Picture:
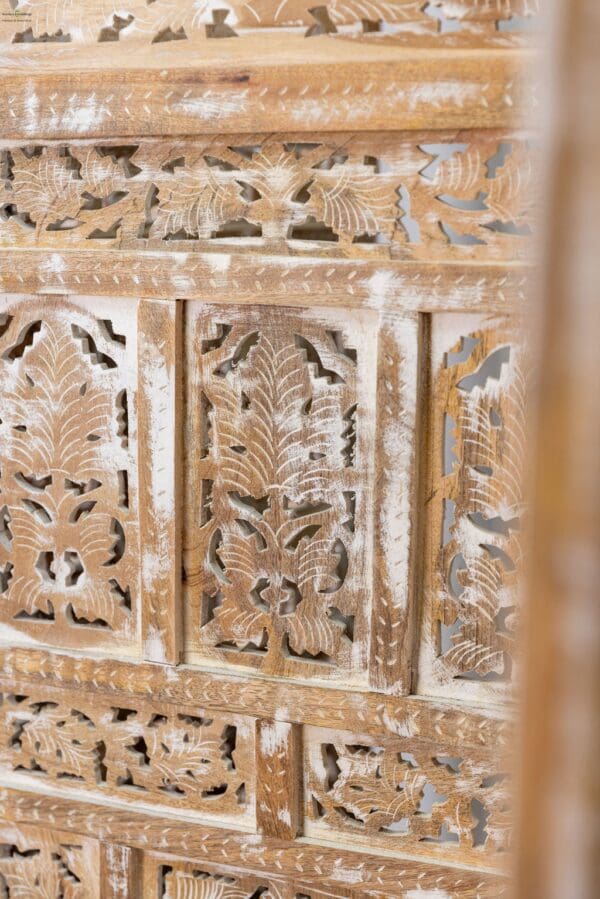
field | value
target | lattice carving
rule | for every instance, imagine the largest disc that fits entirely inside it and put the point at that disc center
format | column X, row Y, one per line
column 427, row 195
column 142, row 753
column 479, row 451
column 58, row 21
column 68, row 543
column 406, row 796
column 47, row 864
column 279, row 461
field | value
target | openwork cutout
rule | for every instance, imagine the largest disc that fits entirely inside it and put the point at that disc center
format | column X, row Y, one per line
column 277, row 538
column 423, row 196
column 476, row 517
column 68, row 531
column 59, row 21
column 406, row 795
column 45, row 863
column 138, row 752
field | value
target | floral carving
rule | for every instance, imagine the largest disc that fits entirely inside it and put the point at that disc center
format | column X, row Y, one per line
column 68, row 538
column 416, row 198
column 480, row 510
column 150, row 753
column 271, row 563
column 49, row 865
column 401, row 795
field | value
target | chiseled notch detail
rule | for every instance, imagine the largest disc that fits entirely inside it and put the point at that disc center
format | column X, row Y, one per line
column 405, row 795
column 274, row 571
column 478, row 462
column 48, row 864
column 180, row 758
column 68, row 535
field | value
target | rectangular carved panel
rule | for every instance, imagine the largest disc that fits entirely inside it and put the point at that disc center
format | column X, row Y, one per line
column 476, row 507
column 47, row 863
column 68, row 507
column 399, row 794
column 146, row 753
column 421, row 195
column 279, row 473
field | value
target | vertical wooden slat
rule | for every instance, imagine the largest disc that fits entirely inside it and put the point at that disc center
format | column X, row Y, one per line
column 560, row 839
column 160, row 399
column 393, row 619
column 278, row 779
column 120, row 872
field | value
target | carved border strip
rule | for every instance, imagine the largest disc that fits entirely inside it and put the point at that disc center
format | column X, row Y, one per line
column 345, row 84
column 418, row 287
column 369, row 713
column 300, row 860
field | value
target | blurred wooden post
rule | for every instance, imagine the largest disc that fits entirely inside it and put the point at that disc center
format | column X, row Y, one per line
column 559, row 851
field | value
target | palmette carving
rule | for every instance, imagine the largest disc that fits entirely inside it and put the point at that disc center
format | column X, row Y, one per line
column 406, row 796
column 68, row 542
column 47, row 864
column 145, row 753
column 418, row 196
column 480, row 410
column 277, row 539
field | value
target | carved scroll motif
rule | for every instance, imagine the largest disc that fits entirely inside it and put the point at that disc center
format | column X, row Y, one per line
column 68, row 524
column 48, row 864
column 478, row 462
column 144, row 753
column 106, row 21
column 277, row 537
column 429, row 195
column 405, row 795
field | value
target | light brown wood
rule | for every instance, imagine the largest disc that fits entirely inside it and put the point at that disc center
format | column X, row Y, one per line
column 160, row 449
column 278, row 779
column 243, row 239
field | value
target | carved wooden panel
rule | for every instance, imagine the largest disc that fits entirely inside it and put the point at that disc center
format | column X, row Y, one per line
column 476, row 507
column 426, row 195
column 105, row 21
column 69, row 519
column 144, row 753
column 48, row 864
column 406, row 796
column 280, row 461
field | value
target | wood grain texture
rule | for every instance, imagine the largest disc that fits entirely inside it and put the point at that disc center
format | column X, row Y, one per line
column 278, row 778
column 120, row 872
column 426, row 195
column 160, row 391
column 323, row 865
column 449, row 723
column 345, row 84
column 229, row 278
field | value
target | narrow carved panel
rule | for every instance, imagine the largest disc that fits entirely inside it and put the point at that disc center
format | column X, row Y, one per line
column 146, row 753
column 409, row 796
column 68, row 510
column 279, row 467
column 106, row 21
column 475, row 514
column 426, row 195
column 47, row 864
